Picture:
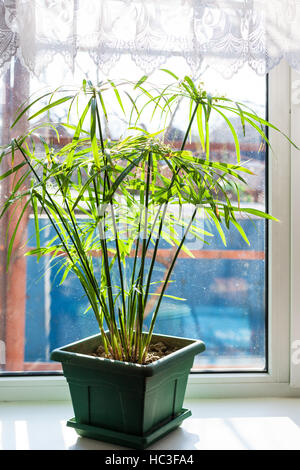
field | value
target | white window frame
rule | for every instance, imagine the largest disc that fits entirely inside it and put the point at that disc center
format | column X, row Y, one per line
column 295, row 233
column 283, row 376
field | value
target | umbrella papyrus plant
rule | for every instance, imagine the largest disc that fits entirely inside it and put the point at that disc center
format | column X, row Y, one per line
column 110, row 205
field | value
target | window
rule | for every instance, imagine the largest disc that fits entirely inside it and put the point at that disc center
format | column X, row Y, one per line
column 261, row 361
column 224, row 287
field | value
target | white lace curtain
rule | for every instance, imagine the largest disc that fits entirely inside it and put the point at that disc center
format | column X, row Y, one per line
column 224, row 34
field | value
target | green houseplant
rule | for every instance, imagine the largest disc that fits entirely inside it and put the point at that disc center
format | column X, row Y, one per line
column 109, row 206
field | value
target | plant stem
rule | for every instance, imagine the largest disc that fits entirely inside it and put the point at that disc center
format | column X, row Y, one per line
column 168, row 277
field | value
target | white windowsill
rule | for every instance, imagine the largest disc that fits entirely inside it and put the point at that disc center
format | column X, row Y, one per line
column 55, row 388
column 254, row 424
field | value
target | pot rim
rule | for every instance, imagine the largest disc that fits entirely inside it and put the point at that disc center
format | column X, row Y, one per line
column 191, row 347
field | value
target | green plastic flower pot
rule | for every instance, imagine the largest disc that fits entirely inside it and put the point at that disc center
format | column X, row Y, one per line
column 126, row 403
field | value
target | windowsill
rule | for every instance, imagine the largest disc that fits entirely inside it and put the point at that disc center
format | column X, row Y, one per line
column 237, row 385
column 215, row 424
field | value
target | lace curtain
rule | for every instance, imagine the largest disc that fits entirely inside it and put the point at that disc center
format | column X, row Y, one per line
column 224, row 34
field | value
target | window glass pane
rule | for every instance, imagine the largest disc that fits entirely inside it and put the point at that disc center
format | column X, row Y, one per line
column 224, row 287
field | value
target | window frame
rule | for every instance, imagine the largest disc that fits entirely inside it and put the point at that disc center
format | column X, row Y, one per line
column 295, row 234
column 283, row 377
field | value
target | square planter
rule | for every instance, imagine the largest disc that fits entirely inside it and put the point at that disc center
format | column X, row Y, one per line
column 125, row 403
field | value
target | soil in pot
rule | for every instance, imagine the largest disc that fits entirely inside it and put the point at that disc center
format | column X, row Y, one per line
column 156, row 351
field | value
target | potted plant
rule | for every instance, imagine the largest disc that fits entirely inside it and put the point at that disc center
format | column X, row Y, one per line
column 108, row 203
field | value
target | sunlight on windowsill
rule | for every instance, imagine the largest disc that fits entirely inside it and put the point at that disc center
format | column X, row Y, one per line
column 251, row 424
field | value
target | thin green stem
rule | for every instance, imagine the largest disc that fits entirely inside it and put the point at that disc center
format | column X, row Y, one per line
column 168, row 277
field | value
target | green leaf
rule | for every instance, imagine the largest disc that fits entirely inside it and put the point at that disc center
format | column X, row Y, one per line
column 140, row 81
column 12, row 239
column 241, row 231
column 36, row 223
column 117, row 95
column 200, row 126
column 256, row 212
column 170, row 73
column 77, row 133
column 65, row 274
column 242, row 118
column 169, row 296
column 122, row 176
column 103, row 105
column 234, row 134
column 49, row 106
column 93, row 133
column 28, row 107
column 12, row 170
column 192, row 85
column 217, row 224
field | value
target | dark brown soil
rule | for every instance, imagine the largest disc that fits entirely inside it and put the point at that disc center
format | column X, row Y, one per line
column 156, row 351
